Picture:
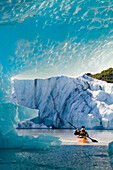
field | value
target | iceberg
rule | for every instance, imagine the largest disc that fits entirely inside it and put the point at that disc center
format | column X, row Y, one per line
column 82, row 101
column 110, row 151
column 111, row 161
column 10, row 116
column 110, row 148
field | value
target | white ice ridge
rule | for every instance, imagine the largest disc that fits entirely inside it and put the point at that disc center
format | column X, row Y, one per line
column 82, row 101
column 10, row 116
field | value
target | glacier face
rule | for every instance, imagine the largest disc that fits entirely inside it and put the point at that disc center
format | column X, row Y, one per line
column 82, row 101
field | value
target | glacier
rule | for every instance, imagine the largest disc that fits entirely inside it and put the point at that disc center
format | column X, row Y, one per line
column 82, row 101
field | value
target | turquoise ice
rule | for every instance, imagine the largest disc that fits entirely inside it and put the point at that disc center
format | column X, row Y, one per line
column 10, row 116
column 52, row 38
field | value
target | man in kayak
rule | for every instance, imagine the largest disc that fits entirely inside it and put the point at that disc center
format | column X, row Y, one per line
column 82, row 133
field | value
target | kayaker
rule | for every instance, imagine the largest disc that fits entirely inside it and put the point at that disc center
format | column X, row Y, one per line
column 82, row 133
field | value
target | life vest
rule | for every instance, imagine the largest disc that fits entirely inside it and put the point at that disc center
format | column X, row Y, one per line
column 82, row 134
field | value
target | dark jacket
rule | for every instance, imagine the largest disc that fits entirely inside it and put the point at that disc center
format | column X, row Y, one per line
column 80, row 133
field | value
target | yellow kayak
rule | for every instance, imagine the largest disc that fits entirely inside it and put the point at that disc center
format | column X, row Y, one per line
column 81, row 140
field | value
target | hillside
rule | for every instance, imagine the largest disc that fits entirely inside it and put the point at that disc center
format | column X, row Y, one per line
column 105, row 75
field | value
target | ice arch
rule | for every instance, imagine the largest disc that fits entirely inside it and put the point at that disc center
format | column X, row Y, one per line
column 52, row 38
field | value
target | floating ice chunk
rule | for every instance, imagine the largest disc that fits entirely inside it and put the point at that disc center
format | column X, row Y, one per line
column 111, row 161
column 10, row 116
column 110, row 148
column 110, row 151
column 12, row 141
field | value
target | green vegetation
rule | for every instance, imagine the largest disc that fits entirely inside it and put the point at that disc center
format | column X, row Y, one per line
column 105, row 75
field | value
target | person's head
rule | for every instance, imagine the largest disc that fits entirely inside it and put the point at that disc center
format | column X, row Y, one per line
column 83, row 128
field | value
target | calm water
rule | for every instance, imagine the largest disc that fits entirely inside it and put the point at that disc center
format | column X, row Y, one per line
column 70, row 156
column 67, row 137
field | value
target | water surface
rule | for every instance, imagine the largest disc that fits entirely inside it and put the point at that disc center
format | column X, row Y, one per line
column 70, row 156
column 68, row 138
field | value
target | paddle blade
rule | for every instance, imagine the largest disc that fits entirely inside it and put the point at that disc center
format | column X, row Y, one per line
column 93, row 140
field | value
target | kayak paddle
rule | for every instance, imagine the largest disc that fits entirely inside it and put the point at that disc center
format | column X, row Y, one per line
column 72, row 125
column 93, row 140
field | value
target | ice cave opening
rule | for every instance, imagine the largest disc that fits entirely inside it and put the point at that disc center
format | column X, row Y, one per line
column 49, row 39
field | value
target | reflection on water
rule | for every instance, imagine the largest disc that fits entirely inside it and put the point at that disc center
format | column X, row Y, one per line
column 67, row 137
